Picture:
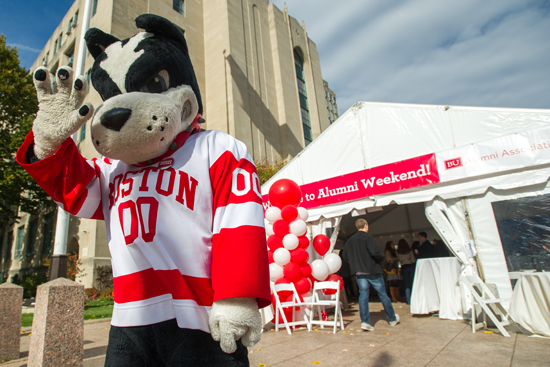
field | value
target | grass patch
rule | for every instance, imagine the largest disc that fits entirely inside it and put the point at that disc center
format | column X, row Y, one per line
column 26, row 319
column 96, row 310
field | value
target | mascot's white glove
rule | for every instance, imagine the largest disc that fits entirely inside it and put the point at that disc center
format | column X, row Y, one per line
column 58, row 118
column 232, row 319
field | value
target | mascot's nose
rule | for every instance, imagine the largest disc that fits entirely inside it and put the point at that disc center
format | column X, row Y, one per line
column 116, row 118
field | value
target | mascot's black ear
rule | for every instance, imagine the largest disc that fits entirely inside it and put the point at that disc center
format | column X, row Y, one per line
column 97, row 41
column 158, row 25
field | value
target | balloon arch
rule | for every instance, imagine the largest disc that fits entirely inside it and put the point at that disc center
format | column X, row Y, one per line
column 287, row 242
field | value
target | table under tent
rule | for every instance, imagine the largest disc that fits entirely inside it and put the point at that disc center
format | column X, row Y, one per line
column 476, row 178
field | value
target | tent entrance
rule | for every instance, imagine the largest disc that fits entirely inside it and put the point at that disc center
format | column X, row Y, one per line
column 389, row 223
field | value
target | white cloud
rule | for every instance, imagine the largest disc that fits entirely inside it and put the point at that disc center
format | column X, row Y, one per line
column 24, row 48
column 488, row 53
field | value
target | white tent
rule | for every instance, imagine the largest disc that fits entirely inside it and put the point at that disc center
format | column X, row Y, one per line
column 458, row 161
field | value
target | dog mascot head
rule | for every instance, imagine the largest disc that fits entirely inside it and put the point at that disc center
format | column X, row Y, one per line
column 149, row 91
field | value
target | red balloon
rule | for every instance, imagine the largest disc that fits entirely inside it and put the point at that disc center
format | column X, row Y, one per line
column 321, row 244
column 303, row 285
column 334, row 278
column 289, row 213
column 299, row 256
column 304, row 242
column 285, row 192
column 270, row 256
column 306, row 270
column 281, row 228
column 274, row 242
column 292, row 272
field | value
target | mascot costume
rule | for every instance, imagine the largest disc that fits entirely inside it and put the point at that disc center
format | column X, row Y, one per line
column 182, row 206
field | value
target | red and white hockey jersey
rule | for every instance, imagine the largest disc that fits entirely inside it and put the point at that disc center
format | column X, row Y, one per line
column 183, row 232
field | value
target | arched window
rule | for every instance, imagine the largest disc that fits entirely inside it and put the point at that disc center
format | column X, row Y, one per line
column 94, row 7
column 301, row 80
column 179, row 6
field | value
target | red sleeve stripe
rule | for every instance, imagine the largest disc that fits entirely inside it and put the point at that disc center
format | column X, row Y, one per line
column 151, row 283
column 64, row 175
column 236, row 215
column 234, row 181
column 240, row 267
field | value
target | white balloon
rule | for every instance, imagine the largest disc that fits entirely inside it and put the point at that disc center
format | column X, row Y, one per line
column 319, row 270
column 290, row 241
column 269, row 229
column 273, row 214
column 333, row 262
column 281, row 256
column 298, row 227
column 275, row 272
column 302, row 213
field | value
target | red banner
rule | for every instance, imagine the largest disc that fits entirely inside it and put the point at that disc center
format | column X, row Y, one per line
column 414, row 172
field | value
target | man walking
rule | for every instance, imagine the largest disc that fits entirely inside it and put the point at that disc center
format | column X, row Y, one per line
column 364, row 259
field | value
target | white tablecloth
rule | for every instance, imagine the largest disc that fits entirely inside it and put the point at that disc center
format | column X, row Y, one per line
column 436, row 288
column 530, row 304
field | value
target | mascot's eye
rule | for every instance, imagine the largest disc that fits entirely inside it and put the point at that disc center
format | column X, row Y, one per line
column 157, row 84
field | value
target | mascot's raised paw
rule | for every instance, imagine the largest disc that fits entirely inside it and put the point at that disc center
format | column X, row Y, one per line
column 59, row 115
column 233, row 319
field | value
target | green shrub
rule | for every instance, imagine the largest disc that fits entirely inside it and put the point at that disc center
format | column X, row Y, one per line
column 104, row 276
column 30, row 283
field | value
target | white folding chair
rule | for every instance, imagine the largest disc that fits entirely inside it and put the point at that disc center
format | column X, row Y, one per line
column 485, row 299
column 280, row 306
column 317, row 302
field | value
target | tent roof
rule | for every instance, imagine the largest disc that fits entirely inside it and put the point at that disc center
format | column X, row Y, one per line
column 374, row 134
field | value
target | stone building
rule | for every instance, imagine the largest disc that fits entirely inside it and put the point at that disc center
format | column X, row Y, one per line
column 260, row 81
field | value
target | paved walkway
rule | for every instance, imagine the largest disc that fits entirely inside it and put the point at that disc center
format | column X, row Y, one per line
column 416, row 341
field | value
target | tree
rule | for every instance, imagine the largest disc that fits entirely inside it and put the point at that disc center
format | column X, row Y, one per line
column 18, row 106
column 266, row 169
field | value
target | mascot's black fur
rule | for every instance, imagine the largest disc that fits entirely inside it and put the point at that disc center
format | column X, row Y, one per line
column 165, row 50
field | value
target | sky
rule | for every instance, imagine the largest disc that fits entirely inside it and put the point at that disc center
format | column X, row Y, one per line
column 490, row 53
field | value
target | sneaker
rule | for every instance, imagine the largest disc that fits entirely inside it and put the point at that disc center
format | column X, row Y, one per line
column 393, row 323
column 367, row 327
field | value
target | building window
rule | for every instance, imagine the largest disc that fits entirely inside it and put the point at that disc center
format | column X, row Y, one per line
column 82, row 134
column 9, row 244
column 47, row 232
column 302, row 93
column 70, row 27
column 179, row 6
column 19, row 245
column 70, row 54
column 31, row 238
column 94, row 7
column 55, row 47
column 75, row 22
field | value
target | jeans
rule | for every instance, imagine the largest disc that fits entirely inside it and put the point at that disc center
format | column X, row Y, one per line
column 408, row 277
column 364, row 281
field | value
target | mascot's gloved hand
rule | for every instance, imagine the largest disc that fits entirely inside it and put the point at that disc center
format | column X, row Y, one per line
column 232, row 319
column 58, row 117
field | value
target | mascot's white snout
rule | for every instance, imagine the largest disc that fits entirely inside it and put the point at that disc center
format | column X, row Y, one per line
column 135, row 127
